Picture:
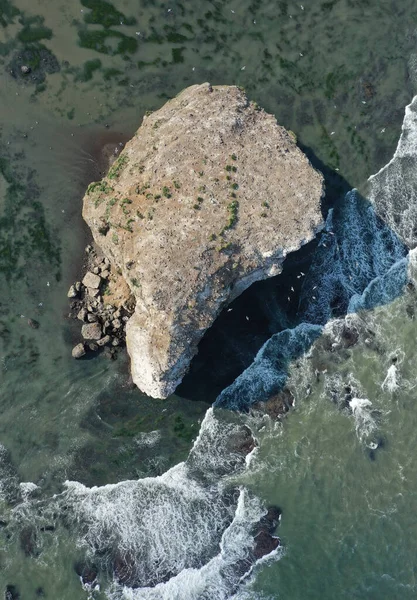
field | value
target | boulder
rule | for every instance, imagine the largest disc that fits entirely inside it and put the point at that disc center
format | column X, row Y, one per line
column 72, row 292
column 210, row 196
column 91, row 280
column 82, row 315
column 78, row 351
column 91, row 331
column 104, row 340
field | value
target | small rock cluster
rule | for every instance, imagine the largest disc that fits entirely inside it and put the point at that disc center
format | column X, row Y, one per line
column 103, row 324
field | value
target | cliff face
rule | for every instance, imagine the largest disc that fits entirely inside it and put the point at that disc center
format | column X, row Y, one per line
column 209, row 196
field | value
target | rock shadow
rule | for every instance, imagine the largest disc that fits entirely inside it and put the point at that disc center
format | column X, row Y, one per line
column 356, row 262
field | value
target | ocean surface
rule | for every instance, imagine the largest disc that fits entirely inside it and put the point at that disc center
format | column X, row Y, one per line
column 151, row 499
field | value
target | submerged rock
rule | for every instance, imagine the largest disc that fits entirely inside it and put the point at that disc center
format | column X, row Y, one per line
column 209, row 197
column 11, row 593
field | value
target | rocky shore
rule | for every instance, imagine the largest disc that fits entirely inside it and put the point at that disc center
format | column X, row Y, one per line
column 103, row 304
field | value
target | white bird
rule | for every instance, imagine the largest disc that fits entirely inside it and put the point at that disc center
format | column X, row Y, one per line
column 363, row 102
column 301, row 273
column 47, row 283
column 289, row 299
column 229, row 309
column 292, row 289
column 243, row 68
column 315, row 287
column 314, row 297
column 301, row 54
column 383, row 130
column 332, row 133
column 232, row 11
column 302, row 7
column 247, row 318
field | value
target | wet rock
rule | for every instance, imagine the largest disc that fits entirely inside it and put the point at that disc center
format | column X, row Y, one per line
column 28, row 541
column 115, row 342
column 25, row 69
column 91, row 280
column 271, row 519
column 92, row 318
column 124, row 569
column 109, row 353
column 245, row 442
column 104, row 340
column 93, row 347
column 82, row 315
column 78, row 351
column 11, row 593
column 72, row 292
column 349, row 336
column 87, row 573
column 277, row 405
column 91, row 331
column 77, row 286
column 33, row 323
column 265, row 543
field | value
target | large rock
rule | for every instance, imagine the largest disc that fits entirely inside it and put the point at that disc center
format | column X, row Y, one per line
column 209, row 196
column 91, row 331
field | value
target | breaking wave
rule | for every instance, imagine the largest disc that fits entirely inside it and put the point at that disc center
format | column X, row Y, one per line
column 187, row 534
column 361, row 262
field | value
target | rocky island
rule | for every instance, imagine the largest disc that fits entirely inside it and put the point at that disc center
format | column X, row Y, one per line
column 208, row 197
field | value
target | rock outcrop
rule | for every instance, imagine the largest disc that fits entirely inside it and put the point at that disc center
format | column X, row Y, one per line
column 208, row 197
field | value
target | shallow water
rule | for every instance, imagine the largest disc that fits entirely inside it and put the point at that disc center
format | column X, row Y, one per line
column 339, row 74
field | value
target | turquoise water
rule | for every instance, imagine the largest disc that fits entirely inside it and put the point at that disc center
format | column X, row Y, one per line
column 339, row 75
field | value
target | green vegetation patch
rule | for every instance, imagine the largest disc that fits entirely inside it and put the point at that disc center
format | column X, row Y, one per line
column 101, row 41
column 24, row 233
column 7, row 12
column 105, row 14
column 120, row 163
column 177, row 55
column 87, row 72
column 34, row 30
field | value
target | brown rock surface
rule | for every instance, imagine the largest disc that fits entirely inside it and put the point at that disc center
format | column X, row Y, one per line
column 209, row 196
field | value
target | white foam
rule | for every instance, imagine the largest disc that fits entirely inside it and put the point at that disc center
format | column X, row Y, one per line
column 148, row 439
column 364, row 421
column 185, row 526
column 390, row 382
column 393, row 189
